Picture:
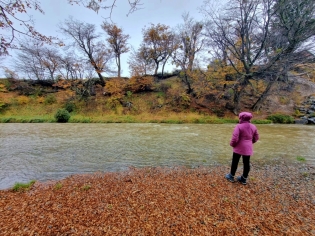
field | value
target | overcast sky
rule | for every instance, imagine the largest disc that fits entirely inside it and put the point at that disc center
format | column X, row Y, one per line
column 168, row 12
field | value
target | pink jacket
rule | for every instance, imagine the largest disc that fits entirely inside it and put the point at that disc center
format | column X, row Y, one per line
column 244, row 135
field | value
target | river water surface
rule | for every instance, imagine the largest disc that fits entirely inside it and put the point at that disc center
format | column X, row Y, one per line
column 54, row 151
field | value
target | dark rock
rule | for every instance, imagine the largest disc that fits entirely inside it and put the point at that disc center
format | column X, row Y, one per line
column 311, row 121
column 301, row 121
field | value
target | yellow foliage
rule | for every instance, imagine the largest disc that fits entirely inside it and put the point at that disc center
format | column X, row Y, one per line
column 23, row 100
column 116, row 86
column 113, row 102
column 40, row 99
column 3, row 88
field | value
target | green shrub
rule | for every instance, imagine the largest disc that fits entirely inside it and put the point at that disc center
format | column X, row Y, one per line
column 62, row 115
column 70, row 107
column 301, row 159
column 129, row 94
column 19, row 187
column 261, row 121
column 50, row 99
column 86, row 187
column 58, row 186
column 282, row 119
column 2, row 106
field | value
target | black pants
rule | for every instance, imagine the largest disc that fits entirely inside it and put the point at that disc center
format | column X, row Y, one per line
column 236, row 159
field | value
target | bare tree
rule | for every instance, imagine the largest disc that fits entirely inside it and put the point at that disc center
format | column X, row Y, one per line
column 260, row 38
column 117, row 42
column 187, row 43
column 66, row 68
column 51, row 60
column 13, row 22
column 86, row 40
column 36, row 60
column 96, row 5
column 292, row 28
column 12, row 25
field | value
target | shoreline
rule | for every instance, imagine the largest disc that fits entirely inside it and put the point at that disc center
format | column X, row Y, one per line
column 278, row 199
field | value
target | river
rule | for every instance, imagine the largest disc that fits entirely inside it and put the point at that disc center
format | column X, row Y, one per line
column 54, row 151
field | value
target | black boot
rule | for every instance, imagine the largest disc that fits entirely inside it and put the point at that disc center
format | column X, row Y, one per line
column 241, row 179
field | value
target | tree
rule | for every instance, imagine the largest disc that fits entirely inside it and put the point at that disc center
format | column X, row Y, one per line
column 291, row 29
column 12, row 22
column 117, row 41
column 140, row 62
column 28, row 63
column 188, row 42
column 12, row 26
column 67, row 68
column 36, row 60
column 157, row 41
column 86, row 40
column 260, row 39
column 96, row 5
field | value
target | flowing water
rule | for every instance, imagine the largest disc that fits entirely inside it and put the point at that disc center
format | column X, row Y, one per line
column 54, row 151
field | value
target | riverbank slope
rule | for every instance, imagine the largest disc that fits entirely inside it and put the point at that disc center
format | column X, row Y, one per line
column 165, row 102
column 278, row 200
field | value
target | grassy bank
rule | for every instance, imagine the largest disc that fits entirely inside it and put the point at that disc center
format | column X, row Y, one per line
column 146, row 107
column 176, row 119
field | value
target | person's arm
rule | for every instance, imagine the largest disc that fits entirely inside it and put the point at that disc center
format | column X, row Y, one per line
column 255, row 136
column 235, row 137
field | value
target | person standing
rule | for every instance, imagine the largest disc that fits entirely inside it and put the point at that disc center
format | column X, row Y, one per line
column 244, row 135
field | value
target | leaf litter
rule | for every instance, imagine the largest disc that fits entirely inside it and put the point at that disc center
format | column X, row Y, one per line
column 279, row 199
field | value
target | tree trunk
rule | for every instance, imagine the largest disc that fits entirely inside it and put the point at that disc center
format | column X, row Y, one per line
column 156, row 68
column 163, row 69
column 238, row 95
column 186, row 80
column 262, row 97
column 98, row 71
column 118, row 65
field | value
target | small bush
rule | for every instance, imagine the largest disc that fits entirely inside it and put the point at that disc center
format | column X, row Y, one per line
column 301, row 159
column 116, row 86
column 19, row 187
column 282, row 119
column 139, row 84
column 128, row 94
column 86, row 187
column 58, row 186
column 3, row 106
column 70, row 107
column 62, row 116
column 50, row 99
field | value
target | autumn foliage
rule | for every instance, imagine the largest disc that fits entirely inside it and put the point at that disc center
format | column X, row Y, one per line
column 140, row 83
column 165, row 201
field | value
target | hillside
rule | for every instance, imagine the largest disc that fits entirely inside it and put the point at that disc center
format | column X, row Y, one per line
column 146, row 100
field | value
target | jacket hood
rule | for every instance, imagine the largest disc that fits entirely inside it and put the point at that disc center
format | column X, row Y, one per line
column 245, row 116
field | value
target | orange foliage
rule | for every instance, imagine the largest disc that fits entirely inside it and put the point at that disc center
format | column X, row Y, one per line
column 62, row 83
column 140, row 83
column 116, row 86
column 164, row 201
